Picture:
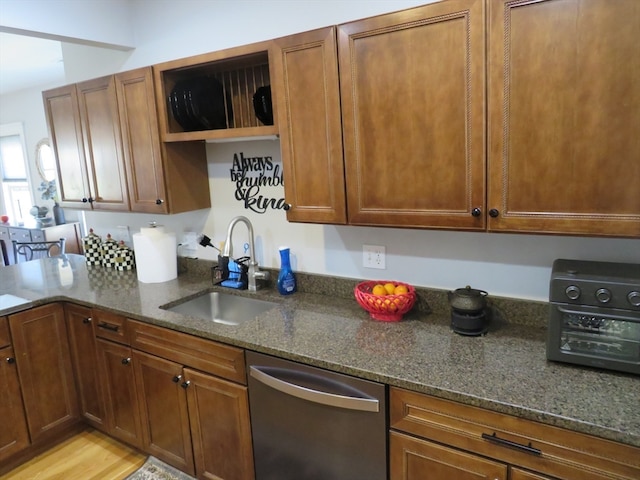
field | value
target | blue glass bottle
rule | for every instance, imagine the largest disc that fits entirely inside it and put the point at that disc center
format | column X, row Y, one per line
column 286, row 278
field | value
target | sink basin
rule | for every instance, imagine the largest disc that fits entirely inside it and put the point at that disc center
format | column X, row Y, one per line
column 223, row 308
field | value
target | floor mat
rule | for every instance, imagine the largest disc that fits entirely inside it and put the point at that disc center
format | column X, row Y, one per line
column 154, row 469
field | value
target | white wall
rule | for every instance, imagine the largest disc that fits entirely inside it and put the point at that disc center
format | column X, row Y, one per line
column 503, row 264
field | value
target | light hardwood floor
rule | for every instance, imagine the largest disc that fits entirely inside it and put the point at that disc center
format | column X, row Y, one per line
column 90, row 455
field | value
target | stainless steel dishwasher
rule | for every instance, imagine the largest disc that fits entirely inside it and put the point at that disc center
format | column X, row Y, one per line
column 312, row 424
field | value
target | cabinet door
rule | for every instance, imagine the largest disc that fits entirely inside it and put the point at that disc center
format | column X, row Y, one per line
column 564, row 117
column 306, row 90
column 103, row 144
column 123, row 417
column 141, row 141
column 85, row 362
column 14, row 435
column 414, row 459
column 44, row 366
column 163, row 398
column 412, row 86
column 63, row 119
column 220, row 427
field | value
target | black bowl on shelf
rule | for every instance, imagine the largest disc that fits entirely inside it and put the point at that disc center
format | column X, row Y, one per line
column 262, row 105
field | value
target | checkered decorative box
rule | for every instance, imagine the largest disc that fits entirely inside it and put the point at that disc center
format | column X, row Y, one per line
column 91, row 244
column 125, row 259
column 109, row 252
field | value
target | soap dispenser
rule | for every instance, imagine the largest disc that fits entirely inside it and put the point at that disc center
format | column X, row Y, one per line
column 286, row 278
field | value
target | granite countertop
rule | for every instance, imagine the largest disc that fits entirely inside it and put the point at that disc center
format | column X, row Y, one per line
column 506, row 370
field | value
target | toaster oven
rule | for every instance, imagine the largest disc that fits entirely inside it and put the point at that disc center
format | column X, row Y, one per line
column 594, row 317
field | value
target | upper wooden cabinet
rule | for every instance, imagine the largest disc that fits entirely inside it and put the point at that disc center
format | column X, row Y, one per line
column 562, row 111
column 85, row 136
column 239, row 72
column 105, row 136
column 161, row 178
column 102, row 144
column 564, row 117
column 306, row 87
column 412, row 86
column 409, row 104
column 63, row 120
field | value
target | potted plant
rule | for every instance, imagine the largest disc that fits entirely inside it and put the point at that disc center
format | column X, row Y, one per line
column 50, row 192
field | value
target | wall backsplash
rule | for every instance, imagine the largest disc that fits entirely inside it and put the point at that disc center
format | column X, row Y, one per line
column 505, row 265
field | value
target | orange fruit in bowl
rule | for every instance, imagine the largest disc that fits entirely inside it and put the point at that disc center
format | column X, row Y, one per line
column 379, row 290
column 389, row 287
column 400, row 290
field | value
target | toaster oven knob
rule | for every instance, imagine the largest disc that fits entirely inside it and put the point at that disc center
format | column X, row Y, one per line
column 572, row 292
column 603, row 295
column 634, row 298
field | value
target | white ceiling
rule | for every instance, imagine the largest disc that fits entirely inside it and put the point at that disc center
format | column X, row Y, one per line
column 27, row 62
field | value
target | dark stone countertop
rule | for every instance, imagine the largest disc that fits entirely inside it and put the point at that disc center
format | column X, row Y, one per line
column 504, row 371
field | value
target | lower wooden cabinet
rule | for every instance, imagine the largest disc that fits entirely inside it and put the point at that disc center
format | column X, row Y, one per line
column 82, row 342
column 14, row 435
column 432, row 438
column 123, row 419
column 180, row 398
column 44, row 366
column 220, row 427
column 416, row 459
column 163, row 405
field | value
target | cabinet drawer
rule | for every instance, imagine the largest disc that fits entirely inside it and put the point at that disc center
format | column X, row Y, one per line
column 206, row 355
column 19, row 234
column 524, row 443
column 37, row 236
column 111, row 326
column 4, row 332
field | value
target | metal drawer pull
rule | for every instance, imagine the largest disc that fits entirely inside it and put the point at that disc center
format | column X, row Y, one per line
column 508, row 443
column 324, row 398
column 107, row 326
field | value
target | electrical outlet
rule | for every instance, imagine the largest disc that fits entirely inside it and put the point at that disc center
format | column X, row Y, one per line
column 373, row 256
column 190, row 241
column 122, row 233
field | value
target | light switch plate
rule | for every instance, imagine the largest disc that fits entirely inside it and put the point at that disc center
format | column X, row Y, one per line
column 374, row 256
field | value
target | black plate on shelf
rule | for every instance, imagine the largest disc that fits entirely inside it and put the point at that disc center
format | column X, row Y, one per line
column 199, row 104
column 262, row 105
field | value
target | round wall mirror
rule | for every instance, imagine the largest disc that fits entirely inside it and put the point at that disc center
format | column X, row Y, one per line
column 45, row 160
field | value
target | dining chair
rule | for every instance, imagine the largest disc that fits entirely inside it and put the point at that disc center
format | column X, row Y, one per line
column 25, row 251
column 5, row 255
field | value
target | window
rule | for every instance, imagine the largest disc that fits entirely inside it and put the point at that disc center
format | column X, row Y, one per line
column 14, row 179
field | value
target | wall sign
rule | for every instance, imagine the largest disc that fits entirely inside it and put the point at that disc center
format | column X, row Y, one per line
column 251, row 176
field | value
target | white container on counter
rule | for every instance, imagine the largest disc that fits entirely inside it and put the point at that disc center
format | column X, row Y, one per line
column 156, row 256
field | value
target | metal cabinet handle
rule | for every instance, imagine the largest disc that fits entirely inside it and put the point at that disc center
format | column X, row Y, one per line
column 186, row 384
column 11, row 360
column 159, row 201
column 508, row 443
column 108, row 326
column 126, row 361
column 494, row 212
column 177, row 378
column 362, row 403
column 87, row 320
column 476, row 212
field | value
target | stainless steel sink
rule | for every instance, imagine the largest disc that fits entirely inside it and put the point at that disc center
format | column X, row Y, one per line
column 223, row 308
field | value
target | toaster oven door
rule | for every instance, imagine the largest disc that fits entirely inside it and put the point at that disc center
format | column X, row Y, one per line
column 597, row 337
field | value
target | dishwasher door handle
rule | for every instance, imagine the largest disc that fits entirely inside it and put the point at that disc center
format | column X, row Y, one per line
column 324, row 398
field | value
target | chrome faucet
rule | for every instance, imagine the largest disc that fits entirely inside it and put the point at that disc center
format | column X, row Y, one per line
column 254, row 270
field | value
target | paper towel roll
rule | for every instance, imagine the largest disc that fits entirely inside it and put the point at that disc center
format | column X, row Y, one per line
column 156, row 257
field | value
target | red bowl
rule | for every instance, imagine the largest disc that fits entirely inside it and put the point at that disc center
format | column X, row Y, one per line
column 387, row 308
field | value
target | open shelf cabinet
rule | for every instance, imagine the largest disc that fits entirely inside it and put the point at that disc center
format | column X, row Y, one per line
column 240, row 70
